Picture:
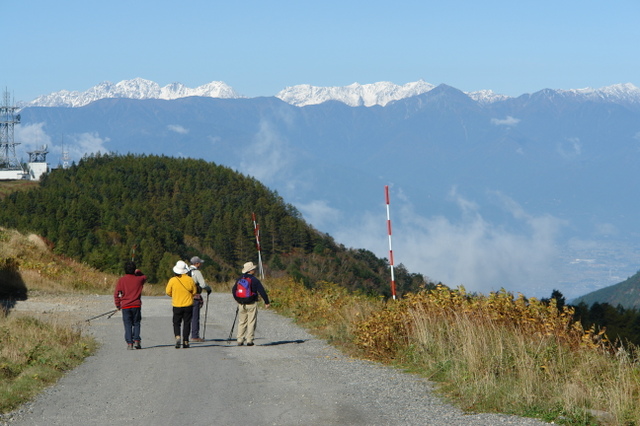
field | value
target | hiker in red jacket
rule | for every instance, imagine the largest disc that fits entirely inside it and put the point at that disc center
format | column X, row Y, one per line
column 127, row 297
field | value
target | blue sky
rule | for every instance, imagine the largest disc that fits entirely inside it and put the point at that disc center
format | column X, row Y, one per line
column 260, row 47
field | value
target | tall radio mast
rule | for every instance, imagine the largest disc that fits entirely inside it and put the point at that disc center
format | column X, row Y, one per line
column 65, row 156
column 10, row 167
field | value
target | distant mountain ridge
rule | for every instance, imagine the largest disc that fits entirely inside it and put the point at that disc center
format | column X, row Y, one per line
column 625, row 294
column 486, row 193
column 380, row 93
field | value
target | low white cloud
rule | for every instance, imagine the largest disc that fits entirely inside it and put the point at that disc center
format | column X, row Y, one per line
column 32, row 136
column 84, row 144
column 319, row 213
column 468, row 251
column 509, row 121
column 267, row 156
column 178, row 129
column 606, row 229
column 571, row 148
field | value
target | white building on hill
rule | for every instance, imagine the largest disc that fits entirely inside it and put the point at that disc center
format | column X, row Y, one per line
column 37, row 165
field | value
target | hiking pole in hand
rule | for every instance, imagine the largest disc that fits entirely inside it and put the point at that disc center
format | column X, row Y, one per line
column 206, row 310
column 110, row 313
column 234, row 324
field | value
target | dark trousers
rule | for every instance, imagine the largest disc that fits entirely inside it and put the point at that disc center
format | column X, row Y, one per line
column 195, row 319
column 182, row 317
column 131, row 317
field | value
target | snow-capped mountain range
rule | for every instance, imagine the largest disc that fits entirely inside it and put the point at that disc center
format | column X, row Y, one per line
column 138, row 88
column 355, row 94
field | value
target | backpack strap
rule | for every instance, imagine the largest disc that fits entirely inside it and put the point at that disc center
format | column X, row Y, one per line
column 183, row 286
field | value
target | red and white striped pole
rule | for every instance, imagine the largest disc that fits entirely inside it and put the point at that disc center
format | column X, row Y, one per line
column 393, row 279
column 256, row 232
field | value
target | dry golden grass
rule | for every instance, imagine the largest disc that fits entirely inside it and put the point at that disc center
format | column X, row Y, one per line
column 43, row 271
column 492, row 353
column 35, row 353
column 330, row 311
column 7, row 187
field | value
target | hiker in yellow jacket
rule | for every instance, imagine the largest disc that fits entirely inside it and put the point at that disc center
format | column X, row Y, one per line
column 181, row 288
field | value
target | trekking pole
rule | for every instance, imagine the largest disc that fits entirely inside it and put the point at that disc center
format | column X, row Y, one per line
column 206, row 310
column 234, row 324
column 110, row 313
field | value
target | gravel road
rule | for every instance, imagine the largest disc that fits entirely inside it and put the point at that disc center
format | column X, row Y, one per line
column 287, row 378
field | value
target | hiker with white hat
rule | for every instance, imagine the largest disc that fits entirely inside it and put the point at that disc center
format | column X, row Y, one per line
column 181, row 288
column 245, row 291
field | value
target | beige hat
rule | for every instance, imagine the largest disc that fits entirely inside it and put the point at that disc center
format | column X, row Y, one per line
column 181, row 267
column 248, row 267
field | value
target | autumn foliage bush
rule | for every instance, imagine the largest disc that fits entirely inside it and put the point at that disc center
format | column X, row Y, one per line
column 398, row 323
column 490, row 353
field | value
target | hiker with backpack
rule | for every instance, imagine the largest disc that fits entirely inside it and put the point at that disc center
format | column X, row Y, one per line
column 198, row 279
column 181, row 288
column 245, row 291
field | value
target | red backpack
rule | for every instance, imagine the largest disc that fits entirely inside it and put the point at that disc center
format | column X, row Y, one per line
column 243, row 288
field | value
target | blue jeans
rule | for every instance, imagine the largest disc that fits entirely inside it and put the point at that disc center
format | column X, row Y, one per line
column 131, row 317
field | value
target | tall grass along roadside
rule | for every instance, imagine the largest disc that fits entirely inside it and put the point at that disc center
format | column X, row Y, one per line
column 34, row 354
column 494, row 353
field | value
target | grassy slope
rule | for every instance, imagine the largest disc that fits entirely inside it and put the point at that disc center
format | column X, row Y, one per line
column 36, row 352
column 9, row 186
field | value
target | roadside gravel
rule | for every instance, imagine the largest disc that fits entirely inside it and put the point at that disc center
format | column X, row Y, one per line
column 288, row 378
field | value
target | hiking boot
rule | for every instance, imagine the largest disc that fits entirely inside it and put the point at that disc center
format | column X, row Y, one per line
column 185, row 344
column 129, row 346
column 177, row 342
column 137, row 344
column 249, row 343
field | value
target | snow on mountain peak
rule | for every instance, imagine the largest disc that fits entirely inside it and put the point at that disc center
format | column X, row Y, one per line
column 625, row 92
column 355, row 94
column 486, row 96
column 137, row 88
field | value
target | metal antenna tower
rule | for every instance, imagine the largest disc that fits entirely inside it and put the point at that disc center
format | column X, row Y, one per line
column 65, row 156
column 8, row 119
column 38, row 155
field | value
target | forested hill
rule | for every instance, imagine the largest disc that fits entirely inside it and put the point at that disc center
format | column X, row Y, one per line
column 625, row 294
column 157, row 209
